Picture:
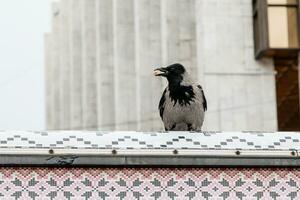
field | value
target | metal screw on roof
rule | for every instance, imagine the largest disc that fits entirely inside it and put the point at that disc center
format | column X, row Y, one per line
column 114, row 152
column 175, row 152
column 51, row 151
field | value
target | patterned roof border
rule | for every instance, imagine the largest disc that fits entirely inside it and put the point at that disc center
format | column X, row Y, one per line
column 131, row 148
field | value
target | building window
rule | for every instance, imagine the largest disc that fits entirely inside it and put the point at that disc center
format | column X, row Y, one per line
column 276, row 27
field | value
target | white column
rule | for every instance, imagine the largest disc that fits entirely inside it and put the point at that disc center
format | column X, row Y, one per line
column 65, row 57
column 148, row 57
column 89, row 65
column 180, row 36
column 105, row 65
column 124, row 63
column 48, row 81
column 76, row 64
column 56, row 63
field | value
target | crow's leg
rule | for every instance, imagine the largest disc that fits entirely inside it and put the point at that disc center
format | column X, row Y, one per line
column 173, row 127
column 190, row 127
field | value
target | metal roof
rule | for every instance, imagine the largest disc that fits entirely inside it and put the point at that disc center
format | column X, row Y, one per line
column 149, row 148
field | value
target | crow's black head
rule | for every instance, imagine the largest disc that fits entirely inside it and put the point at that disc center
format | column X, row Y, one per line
column 179, row 83
column 174, row 72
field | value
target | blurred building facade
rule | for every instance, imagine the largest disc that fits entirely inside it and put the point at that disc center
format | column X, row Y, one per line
column 100, row 56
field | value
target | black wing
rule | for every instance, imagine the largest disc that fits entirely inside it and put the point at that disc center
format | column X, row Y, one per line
column 204, row 99
column 161, row 105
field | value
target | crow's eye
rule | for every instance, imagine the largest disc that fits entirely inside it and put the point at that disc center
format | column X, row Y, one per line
column 170, row 70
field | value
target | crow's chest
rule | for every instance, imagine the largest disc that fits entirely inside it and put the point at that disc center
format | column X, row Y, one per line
column 179, row 109
column 181, row 96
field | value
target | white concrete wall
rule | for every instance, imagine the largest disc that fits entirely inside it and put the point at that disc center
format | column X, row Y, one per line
column 179, row 29
column 65, row 66
column 240, row 91
column 76, row 64
column 89, row 65
column 55, row 63
column 48, row 81
column 148, row 57
column 116, row 44
column 124, row 65
column 105, row 65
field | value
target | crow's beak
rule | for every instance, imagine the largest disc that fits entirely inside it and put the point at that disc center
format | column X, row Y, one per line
column 160, row 72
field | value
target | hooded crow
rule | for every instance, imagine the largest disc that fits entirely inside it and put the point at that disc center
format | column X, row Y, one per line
column 183, row 103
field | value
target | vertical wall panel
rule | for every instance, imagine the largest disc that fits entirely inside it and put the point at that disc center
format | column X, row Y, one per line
column 89, row 65
column 105, row 65
column 65, row 68
column 148, row 57
column 124, row 63
column 76, row 64
column 48, row 81
column 187, row 36
column 56, row 64
column 181, row 34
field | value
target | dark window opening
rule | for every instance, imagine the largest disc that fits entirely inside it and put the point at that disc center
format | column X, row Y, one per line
column 287, row 91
